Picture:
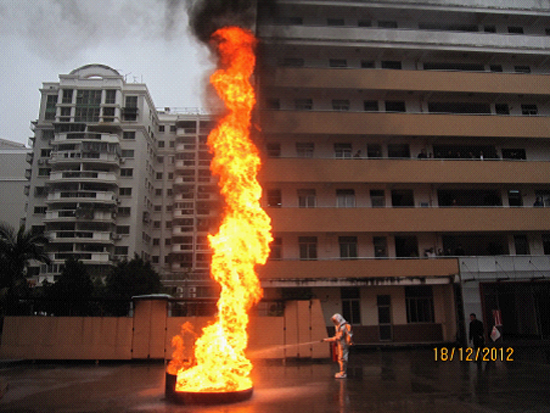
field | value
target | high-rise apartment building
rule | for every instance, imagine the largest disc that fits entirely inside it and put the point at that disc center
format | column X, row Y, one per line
column 407, row 163
column 107, row 183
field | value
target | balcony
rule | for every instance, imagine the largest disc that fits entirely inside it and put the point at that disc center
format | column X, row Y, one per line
column 76, row 137
column 368, row 270
column 89, row 258
column 350, row 170
column 77, row 196
column 83, row 156
column 415, row 220
column 83, row 176
column 406, row 38
column 403, row 124
column 80, row 236
column 409, row 80
column 72, row 214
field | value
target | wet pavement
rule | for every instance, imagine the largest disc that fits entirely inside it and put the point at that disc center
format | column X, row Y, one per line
column 378, row 381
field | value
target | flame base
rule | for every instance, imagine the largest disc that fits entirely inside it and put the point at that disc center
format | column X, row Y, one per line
column 191, row 398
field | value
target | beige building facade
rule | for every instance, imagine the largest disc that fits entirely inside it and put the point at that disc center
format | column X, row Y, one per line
column 406, row 144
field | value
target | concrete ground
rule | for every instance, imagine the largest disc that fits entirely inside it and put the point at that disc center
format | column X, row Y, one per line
column 378, row 381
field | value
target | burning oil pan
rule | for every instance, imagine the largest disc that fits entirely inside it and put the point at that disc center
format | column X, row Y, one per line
column 180, row 397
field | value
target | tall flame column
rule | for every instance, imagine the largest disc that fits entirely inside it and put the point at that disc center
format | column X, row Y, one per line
column 242, row 241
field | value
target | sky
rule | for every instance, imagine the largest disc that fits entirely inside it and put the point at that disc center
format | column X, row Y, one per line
column 144, row 40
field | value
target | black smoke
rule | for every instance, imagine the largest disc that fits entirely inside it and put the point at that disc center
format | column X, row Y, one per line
column 207, row 16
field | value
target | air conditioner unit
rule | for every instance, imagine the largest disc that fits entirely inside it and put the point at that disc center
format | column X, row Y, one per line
column 117, row 236
column 41, row 162
column 122, row 160
column 192, row 292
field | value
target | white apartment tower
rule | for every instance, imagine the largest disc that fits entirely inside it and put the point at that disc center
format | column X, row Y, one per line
column 106, row 181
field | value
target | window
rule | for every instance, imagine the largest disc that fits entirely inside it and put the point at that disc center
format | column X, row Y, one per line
column 370, row 105
column 304, row 149
column 306, row 198
column 351, row 308
column 130, row 109
column 490, row 29
column 274, row 198
column 125, row 191
column 156, row 224
column 168, row 241
column 127, row 135
column 374, row 151
column 391, row 64
column 348, row 247
column 40, row 209
column 406, row 247
column 160, row 159
column 67, row 96
column 273, row 150
column 529, row 110
column 156, row 242
column 65, row 115
column 303, row 104
column 158, row 192
column 395, row 106
column 127, row 153
column 87, row 105
column 158, row 175
column 124, row 211
column 160, row 144
column 340, row 104
column 108, row 114
column 168, row 224
column 51, row 102
column 126, row 172
column 496, row 68
column 514, row 198
column 44, row 171
column 522, row 69
column 364, row 23
column 345, row 198
column 402, row 198
column 45, row 153
column 342, row 150
column 172, row 128
column 515, row 29
column 377, row 198
column 338, row 63
column 419, row 301
column 522, row 245
column 399, row 151
column 161, row 128
column 110, row 96
column 123, row 229
column 308, row 248
column 276, row 252
column 380, row 247
column 502, row 109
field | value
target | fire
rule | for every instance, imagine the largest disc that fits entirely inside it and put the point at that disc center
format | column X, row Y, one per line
column 244, row 235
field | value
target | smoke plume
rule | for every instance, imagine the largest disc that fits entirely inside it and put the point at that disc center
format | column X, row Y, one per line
column 206, row 16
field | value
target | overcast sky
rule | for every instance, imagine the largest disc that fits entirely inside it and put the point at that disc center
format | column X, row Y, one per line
column 145, row 40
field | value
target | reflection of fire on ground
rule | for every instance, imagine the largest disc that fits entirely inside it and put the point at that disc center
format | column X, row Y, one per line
column 242, row 242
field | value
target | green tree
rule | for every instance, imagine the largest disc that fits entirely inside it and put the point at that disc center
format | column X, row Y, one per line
column 72, row 293
column 16, row 250
column 128, row 279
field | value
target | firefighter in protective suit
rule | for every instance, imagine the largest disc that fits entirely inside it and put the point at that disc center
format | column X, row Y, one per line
column 343, row 338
